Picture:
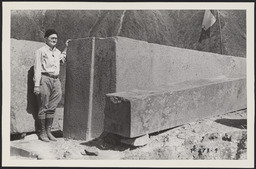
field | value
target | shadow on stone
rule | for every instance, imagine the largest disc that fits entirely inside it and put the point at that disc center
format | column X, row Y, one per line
column 162, row 131
column 57, row 133
column 108, row 141
column 19, row 136
column 237, row 123
column 32, row 107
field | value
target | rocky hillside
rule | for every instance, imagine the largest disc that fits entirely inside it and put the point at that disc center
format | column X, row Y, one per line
column 179, row 28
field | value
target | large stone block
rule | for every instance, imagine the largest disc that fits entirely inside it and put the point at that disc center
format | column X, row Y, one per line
column 23, row 101
column 100, row 66
column 135, row 113
column 142, row 65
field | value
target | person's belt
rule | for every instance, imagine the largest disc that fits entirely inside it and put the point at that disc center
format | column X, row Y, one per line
column 51, row 76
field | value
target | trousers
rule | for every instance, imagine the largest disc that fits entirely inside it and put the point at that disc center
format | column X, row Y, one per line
column 49, row 97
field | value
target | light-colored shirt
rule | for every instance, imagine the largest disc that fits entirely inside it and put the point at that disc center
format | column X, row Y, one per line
column 47, row 60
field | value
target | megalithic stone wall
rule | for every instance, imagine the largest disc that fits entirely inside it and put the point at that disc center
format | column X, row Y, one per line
column 23, row 101
column 96, row 67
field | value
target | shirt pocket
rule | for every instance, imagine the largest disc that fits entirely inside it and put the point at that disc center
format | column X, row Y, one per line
column 48, row 60
column 44, row 55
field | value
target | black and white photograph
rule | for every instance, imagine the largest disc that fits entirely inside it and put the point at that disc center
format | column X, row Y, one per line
column 128, row 84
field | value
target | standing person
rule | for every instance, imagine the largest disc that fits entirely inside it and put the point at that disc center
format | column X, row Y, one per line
column 47, row 84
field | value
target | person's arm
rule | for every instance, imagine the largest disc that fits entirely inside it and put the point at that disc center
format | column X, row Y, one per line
column 37, row 71
column 64, row 52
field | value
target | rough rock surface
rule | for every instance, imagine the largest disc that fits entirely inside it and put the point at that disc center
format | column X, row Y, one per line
column 179, row 28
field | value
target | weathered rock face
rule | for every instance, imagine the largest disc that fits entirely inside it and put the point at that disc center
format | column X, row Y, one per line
column 69, row 24
column 179, row 28
column 25, row 25
column 23, row 101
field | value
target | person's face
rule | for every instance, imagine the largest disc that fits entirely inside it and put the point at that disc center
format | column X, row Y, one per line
column 52, row 40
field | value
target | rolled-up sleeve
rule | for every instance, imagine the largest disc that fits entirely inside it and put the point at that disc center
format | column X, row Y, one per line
column 37, row 68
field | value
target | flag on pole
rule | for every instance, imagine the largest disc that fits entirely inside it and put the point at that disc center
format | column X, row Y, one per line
column 208, row 21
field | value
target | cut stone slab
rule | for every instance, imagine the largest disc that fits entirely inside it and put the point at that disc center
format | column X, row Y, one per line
column 117, row 64
column 135, row 113
column 138, row 141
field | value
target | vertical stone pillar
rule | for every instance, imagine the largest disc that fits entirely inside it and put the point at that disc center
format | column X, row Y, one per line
column 104, row 81
column 85, row 95
column 77, row 89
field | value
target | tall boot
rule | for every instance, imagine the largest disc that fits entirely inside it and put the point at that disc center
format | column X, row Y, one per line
column 42, row 134
column 49, row 122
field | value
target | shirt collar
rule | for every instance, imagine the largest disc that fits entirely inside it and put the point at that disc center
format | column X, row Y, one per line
column 49, row 48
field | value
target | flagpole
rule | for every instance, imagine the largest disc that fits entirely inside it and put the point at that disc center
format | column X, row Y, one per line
column 220, row 33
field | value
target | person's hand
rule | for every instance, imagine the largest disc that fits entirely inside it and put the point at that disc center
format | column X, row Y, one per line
column 37, row 90
column 63, row 59
column 67, row 42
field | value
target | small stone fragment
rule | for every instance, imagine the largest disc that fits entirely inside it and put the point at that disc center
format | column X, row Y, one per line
column 226, row 137
column 66, row 154
column 90, row 153
column 181, row 136
column 213, row 136
column 202, row 139
column 31, row 137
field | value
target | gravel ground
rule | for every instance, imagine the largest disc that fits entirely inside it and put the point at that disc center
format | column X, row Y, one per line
column 223, row 137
